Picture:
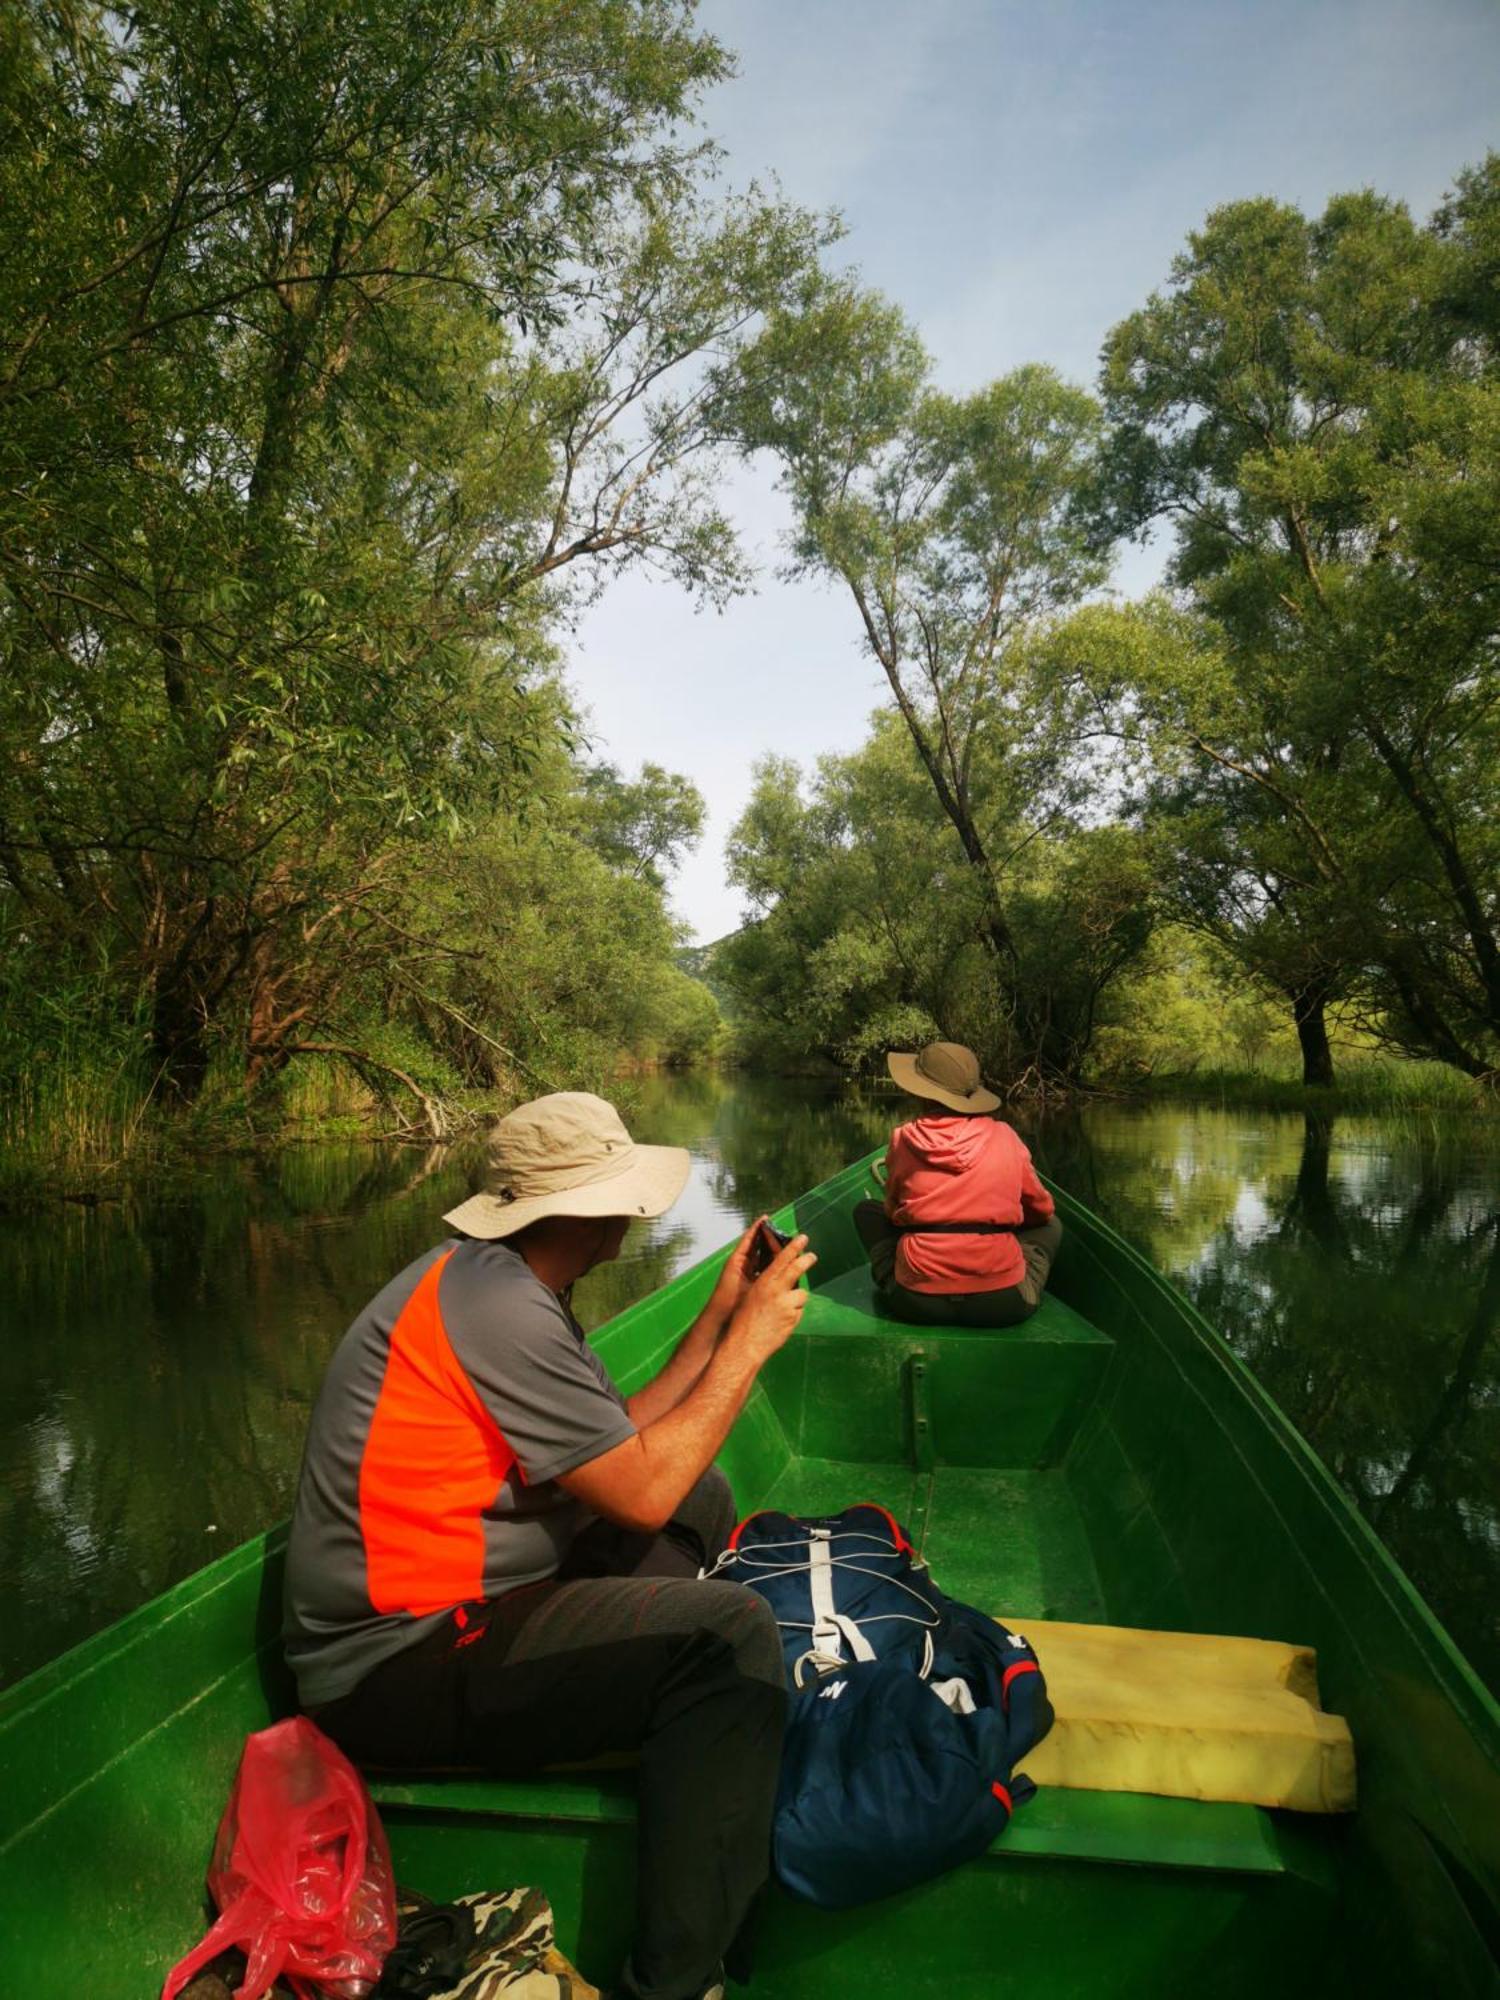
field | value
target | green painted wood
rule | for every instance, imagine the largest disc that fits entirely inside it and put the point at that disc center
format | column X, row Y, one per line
column 1014, row 1397
column 918, row 1373
column 1008, row 1922
column 1131, row 1829
column 1112, row 1462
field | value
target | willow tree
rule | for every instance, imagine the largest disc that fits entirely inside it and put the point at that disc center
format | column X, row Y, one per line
column 869, row 924
column 330, row 347
column 1260, row 840
column 952, row 522
column 1315, row 406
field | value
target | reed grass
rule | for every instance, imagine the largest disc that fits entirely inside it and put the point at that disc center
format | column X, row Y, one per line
column 322, row 1094
column 74, row 1127
column 84, row 1119
column 1364, row 1083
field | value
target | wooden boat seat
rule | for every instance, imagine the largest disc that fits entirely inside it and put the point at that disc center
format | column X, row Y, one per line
column 850, row 1301
column 1130, row 1829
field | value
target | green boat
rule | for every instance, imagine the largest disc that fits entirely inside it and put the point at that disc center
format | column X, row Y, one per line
column 1107, row 1462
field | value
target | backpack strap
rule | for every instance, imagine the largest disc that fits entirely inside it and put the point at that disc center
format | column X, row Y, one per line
column 831, row 1630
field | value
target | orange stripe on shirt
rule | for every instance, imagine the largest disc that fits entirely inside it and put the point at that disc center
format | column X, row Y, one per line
column 433, row 1464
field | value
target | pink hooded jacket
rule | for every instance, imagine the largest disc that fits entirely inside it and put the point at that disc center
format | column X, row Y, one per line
column 956, row 1169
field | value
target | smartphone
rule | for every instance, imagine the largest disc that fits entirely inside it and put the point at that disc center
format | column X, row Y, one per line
column 766, row 1245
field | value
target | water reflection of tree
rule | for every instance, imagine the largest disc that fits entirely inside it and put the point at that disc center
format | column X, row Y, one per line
column 676, row 1107
column 163, row 1354
column 764, row 1139
column 758, row 1140
column 1170, row 1179
column 776, row 1138
column 1367, row 1299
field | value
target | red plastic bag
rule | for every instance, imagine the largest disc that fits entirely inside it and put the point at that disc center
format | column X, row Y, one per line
column 301, row 1872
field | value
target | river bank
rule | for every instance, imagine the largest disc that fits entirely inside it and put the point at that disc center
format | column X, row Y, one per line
column 89, row 1136
column 1384, row 1085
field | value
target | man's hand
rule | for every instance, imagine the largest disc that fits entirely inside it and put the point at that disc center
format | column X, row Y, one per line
column 769, row 1309
column 732, row 1282
column 640, row 1482
column 732, row 1288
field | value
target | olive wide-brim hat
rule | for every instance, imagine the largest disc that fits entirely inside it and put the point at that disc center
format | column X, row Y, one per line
column 569, row 1154
column 946, row 1072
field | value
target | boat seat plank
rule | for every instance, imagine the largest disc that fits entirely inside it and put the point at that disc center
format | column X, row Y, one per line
column 1128, row 1829
column 849, row 1302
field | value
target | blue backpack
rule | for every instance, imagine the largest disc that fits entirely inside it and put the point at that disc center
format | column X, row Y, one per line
column 908, row 1711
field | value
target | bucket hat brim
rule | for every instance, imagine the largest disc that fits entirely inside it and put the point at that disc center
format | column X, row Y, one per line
column 904, row 1070
column 651, row 1183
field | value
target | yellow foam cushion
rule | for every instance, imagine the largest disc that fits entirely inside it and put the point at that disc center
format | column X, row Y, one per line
column 1187, row 1714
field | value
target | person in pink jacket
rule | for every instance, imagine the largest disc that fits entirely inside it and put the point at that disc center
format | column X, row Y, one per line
column 966, row 1234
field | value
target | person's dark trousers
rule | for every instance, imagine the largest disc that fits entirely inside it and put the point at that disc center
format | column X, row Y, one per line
column 1008, row 1305
column 687, row 1672
column 691, row 1541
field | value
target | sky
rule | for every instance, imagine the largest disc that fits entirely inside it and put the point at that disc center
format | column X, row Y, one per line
column 1018, row 177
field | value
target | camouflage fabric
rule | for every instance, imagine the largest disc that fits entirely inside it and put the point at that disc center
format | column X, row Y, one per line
column 505, row 1942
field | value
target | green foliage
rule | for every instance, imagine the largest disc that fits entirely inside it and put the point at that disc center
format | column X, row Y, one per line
column 341, row 358
column 644, row 826
column 1184, row 1007
column 75, row 1072
column 533, row 963
column 1316, row 407
column 871, row 932
column 955, row 525
column 684, row 1024
column 333, row 352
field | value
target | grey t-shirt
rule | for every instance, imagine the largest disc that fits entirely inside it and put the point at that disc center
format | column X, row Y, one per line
column 429, row 1476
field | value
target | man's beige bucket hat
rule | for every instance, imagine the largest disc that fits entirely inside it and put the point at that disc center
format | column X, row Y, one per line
column 569, row 1154
column 948, row 1073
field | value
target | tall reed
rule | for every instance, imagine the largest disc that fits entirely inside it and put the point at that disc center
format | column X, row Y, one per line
column 1363, row 1082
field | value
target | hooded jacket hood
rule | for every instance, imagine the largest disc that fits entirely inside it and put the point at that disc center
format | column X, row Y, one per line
column 949, row 1145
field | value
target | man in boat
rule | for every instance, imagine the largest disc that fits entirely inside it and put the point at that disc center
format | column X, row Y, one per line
column 495, row 1556
column 966, row 1234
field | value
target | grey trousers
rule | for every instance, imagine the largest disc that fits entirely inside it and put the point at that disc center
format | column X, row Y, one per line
column 1008, row 1305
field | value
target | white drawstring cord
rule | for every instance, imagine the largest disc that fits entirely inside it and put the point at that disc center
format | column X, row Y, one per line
column 931, row 1621
column 825, row 1655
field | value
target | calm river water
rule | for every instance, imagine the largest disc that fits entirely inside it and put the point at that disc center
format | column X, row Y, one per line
column 163, row 1351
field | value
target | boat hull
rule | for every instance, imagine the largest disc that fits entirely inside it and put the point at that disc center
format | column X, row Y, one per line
column 1113, row 1462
